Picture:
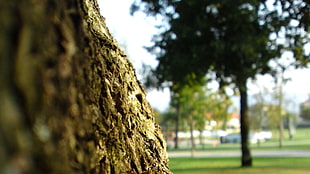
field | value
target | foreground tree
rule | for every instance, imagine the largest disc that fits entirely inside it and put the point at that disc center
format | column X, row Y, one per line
column 70, row 100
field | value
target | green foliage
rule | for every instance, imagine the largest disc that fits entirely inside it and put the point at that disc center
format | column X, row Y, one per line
column 267, row 116
column 213, row 36
column 167, row 118
column 305, row 111
column 219, row 105
column 197, row 101
column 192, row 102
column 231, row 38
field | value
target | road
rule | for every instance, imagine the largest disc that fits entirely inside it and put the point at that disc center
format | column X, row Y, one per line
column 255, row 153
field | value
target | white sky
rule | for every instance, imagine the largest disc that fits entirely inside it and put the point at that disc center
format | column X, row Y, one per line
column 134, row 32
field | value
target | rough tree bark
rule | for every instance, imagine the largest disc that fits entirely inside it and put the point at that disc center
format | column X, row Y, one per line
column 69, row 99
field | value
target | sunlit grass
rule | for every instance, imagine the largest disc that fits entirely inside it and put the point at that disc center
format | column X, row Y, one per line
column 232, row 165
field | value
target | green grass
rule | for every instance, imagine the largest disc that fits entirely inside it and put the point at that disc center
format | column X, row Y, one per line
column 270, row 165
column 265, row 165
column 301, row 141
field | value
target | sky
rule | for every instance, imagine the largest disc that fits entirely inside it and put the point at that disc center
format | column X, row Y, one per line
column 135, row 32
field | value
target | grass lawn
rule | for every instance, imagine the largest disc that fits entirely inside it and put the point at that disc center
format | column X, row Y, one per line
column 301, row 141
column 264, row 165
column 268, row 165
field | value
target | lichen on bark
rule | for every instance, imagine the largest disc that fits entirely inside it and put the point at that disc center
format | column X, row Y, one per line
column 71, row 102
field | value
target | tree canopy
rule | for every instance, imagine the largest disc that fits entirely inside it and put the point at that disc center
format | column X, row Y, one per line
column 235, row 39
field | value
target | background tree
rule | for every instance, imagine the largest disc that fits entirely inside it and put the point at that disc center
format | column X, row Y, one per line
column 70, row 100
column 193, row 108
column 195, row 102
column 179, row 96
column 257, row 115
column 167, row 123
column 305, row 109
column 232, row 38
column 264, row 115
column 219, row 104
column 175, row 103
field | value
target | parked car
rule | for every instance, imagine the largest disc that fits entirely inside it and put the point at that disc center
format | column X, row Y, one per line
column 253, row 137
column 231, row 138
column 266, row 135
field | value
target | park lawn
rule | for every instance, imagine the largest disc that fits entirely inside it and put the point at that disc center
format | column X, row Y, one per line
column 265, row 165
column 300, row 141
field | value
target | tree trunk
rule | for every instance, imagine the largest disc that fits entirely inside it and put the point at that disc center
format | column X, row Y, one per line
column 70, row 100
column 291, row 126
column 244, row 122
column 177, row 120
column 191, row 126
column 281, row 130
column 281, row 126
column 201, row 139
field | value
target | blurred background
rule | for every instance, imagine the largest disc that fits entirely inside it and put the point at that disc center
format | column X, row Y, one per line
column 200, row 114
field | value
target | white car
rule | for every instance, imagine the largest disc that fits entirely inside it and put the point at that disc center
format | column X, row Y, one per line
column 253, row 137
